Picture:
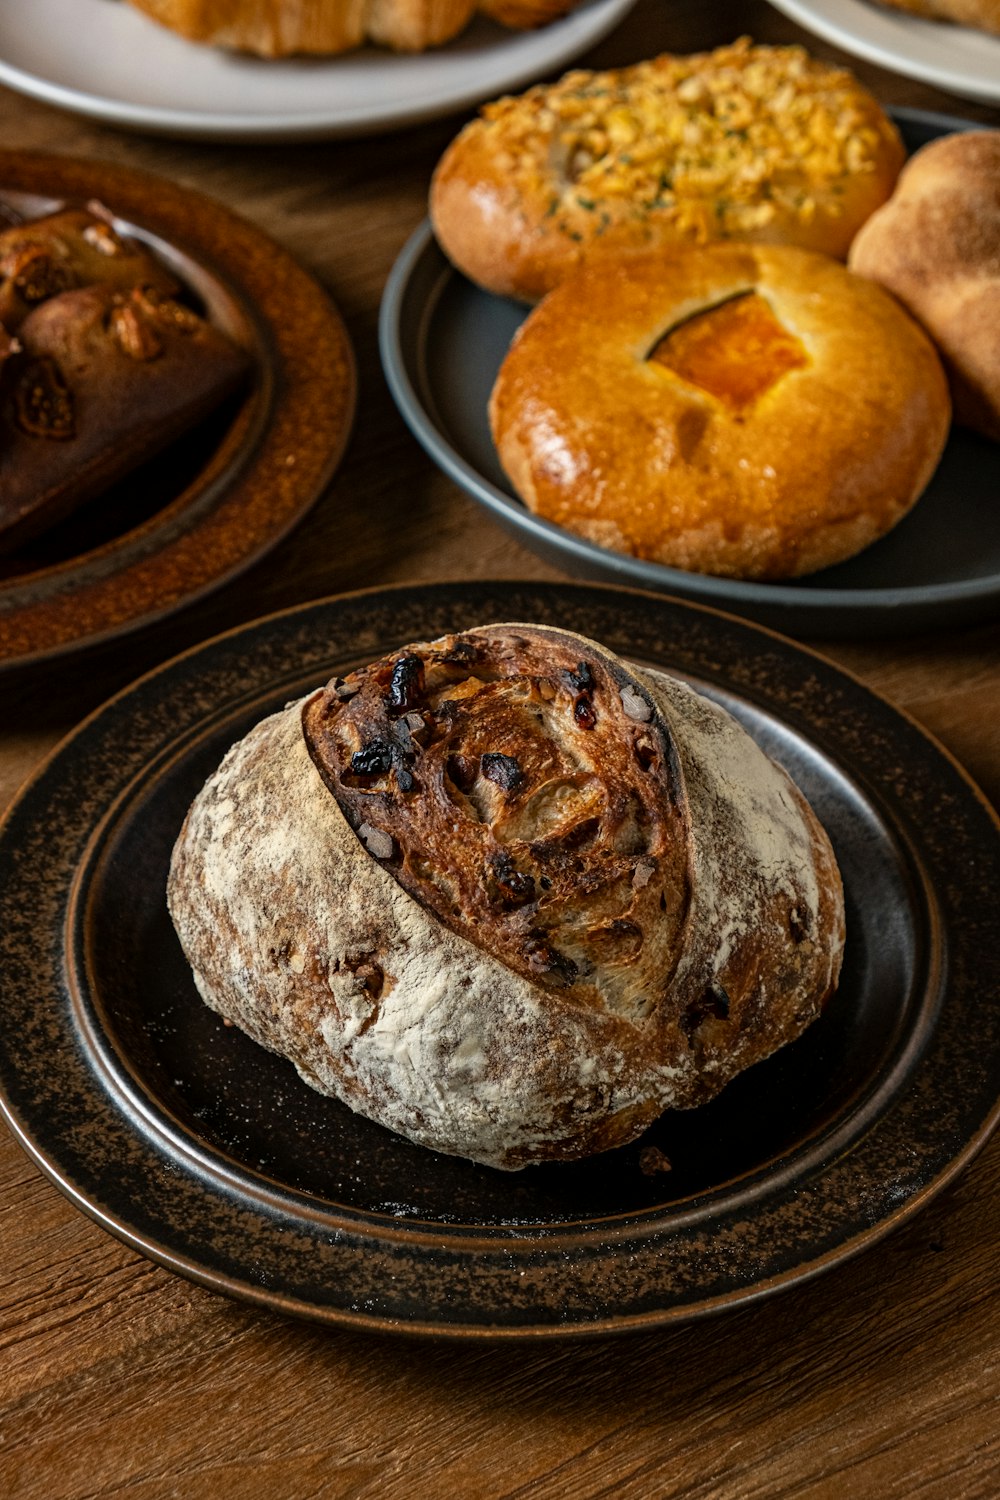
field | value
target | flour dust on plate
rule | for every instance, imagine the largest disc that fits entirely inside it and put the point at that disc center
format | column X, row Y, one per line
column 198, row 1148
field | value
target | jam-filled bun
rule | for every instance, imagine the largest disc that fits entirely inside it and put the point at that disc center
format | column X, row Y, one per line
column 747, row 411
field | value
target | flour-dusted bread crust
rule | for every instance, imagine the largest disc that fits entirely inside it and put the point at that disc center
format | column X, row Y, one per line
column 745, row 411
column 695, row 921
column 936, row 246
column 756, row 144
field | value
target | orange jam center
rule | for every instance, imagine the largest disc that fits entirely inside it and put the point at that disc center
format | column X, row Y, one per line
column 735, row 351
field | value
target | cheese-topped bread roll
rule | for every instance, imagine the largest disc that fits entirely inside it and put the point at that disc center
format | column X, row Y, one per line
column 748, row 411
column 762, row 144
column 508, row 896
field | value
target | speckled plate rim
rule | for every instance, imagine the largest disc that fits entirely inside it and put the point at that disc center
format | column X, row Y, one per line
column 819, row 611
column 281, row 452
column 937, row 1116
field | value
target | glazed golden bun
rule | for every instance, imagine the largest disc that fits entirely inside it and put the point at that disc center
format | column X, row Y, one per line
column 936, row 246
column 757, row 144
column 749, row 411
column 509, row 896
column 282, row 28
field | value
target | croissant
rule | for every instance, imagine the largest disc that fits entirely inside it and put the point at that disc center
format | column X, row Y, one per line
column 282, row 28
column 508, row 896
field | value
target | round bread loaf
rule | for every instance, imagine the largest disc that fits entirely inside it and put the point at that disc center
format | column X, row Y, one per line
column 761, row 144
column 747, row 411
column 936, row 246
column 507, row 896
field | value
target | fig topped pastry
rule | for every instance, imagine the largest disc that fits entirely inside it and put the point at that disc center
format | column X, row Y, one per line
column 508, row 896
column 71, row 248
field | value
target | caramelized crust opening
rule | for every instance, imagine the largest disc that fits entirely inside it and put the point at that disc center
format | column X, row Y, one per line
column 736, row 350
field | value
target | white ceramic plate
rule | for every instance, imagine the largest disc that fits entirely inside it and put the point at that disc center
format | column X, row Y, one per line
column 954, row 58
column 103, row 59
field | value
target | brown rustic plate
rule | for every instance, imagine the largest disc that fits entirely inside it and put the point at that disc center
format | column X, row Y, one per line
column 228, row 492
column 196, row 1147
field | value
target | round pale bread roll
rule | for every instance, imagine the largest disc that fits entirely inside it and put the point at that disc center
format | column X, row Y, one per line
column 761, row 144
column 747, row 411
column 507, row 896
column 936, row 246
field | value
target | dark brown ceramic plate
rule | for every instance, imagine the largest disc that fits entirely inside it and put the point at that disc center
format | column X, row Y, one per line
column 209, row 1155
column 228, row 492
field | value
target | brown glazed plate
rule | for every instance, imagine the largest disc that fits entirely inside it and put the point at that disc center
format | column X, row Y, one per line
column 226, row 493
column 202, row 1151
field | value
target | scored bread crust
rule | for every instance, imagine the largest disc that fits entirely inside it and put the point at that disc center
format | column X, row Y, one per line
column 758, row 144
column 608, row 442
column 305, row 939
column 936, row 247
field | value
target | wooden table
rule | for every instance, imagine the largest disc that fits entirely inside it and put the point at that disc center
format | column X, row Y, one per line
column 116, row 1378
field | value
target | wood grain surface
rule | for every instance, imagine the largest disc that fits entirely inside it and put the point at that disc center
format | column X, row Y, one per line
column 878, row 1379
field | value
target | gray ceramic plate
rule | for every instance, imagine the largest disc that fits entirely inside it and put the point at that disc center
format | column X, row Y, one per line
column 208, row 1154
column 443, row 341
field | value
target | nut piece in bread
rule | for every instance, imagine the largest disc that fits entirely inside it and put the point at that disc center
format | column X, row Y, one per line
column 936, row 246
column 508, row 896
column 761, row 144
column 747, row 411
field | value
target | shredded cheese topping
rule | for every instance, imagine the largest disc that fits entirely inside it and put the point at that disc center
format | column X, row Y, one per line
column 723, row 142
